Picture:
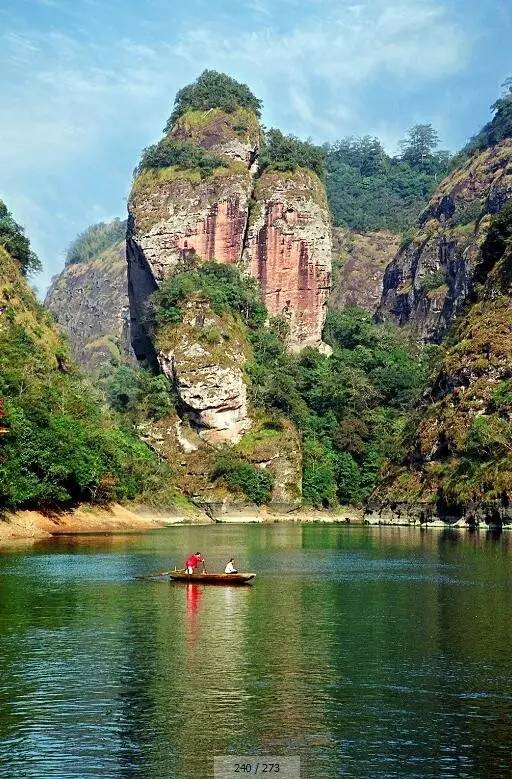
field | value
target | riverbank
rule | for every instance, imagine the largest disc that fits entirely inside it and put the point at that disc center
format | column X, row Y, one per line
column 37, row 525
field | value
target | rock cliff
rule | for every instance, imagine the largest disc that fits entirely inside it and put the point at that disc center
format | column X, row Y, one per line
column 359, row 266
column 428, row 281
column 203, row 199
column 90, row 303
column 285, row 241
column 176, row 213
column 203, row 357
column 288, row 249
column 459, row 466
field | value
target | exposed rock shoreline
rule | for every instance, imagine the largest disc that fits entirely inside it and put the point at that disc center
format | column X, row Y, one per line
column 32, row 526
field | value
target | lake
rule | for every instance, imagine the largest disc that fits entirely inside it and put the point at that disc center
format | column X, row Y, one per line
column 368, row 652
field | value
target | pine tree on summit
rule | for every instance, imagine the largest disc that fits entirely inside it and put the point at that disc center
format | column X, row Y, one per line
column 419, row 145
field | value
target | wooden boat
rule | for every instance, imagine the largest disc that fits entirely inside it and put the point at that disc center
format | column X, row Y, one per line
column 212, row 578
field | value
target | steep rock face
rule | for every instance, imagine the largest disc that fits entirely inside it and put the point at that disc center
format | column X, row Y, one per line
column 359, row 266
column 288, row 249
column 204, row 358
column 459, row 467
column 428, row 281
column 90, row 302
column 175, row 213
column 175, row 216
column 235, row 135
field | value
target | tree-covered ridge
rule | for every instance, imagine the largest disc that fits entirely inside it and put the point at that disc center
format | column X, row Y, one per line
column 14, row 241
column 500, row 126
column 351, row 407
column 371, row 190
column 94, row 240
column 213, row 90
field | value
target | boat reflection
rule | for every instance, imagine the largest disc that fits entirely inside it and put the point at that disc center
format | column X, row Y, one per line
column 193, row 600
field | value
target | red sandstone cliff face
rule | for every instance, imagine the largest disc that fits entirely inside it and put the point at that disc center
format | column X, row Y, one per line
column 175, row 214
column 288, row 249
column 175, row 218
column 285, row 243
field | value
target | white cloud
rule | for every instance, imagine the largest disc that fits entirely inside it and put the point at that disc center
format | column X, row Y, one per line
column 343, row 47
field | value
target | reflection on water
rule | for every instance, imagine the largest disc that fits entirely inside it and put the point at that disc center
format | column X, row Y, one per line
column 369, row 652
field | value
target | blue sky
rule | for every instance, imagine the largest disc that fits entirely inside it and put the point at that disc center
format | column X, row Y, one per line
column 86, row 84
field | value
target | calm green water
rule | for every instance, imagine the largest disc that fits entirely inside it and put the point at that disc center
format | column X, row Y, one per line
column 368, row 652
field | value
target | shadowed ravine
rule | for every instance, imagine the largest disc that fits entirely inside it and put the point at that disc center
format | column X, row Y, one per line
column 369, row 652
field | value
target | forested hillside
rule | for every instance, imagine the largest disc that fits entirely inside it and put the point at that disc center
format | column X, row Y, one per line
column 58, row 442
column 370, row 190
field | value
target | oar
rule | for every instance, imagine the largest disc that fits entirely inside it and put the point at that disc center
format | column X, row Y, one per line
column 160, row 573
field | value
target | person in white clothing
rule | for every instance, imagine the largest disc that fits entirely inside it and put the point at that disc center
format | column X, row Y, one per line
column 230, row 567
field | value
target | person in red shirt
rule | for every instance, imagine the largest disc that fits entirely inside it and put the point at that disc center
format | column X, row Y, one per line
column 193, row 561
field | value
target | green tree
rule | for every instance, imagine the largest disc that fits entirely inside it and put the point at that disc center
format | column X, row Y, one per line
column 418, row 147
column 14, row 241
column 499, row 128
column 213, row 90
column 287, row 153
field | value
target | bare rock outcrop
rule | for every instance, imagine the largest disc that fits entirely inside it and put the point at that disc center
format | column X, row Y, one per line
column 288, row 249
column 428, row 281
column 204, row 359
column 90, row 302
column 360, row 262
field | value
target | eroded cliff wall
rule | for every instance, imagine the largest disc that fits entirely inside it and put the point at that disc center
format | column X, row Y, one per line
column 459, row 464
column 288, row 249
column 90, row 303
column 360, row 261
column 428, row 281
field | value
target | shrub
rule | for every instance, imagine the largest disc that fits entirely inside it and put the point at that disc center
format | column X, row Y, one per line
column 138, row 392
column 222, row 286
column 213, row 90
column 318, row 477
column 183, row 155
column 255, row 483
column 287, row 153
column 433, row 280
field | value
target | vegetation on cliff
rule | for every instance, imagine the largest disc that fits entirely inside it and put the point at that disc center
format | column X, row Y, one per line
column 58, row 443
column 221, row 285
column 288, row 153
column 460, row 451
column 213, row 90
column 499, row 128
column 350, row 407
column 16, row 243
column 181, row 155
column 370, row 190
column 95, row 240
